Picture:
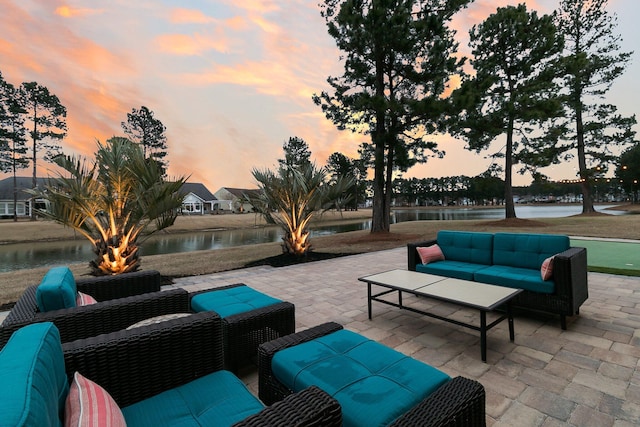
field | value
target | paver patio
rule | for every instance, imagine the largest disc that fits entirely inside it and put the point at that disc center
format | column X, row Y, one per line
column 588, row 375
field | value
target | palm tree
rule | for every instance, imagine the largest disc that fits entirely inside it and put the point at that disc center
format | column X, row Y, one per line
column 113, row 202
column 291, row 196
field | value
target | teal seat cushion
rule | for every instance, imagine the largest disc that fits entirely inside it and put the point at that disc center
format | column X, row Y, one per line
column 34, row 384
column 217, row 399
column 230, row 301
column 455, row 269
column 527, row 250
column 472, row 247
column 57, row 290
column 515, row 277
column 374, row 384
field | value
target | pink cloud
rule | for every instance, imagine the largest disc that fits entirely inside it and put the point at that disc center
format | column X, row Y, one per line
column 189, row 16
column 196, row 44
column 70, row 12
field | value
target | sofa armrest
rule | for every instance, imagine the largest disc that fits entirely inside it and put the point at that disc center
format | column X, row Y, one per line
column 413, row 258
column 103, row 317
column 309, row 407
column 458, row 403
column 135, row 364
column 104, row 288
column 268, row 386
column 570, row 276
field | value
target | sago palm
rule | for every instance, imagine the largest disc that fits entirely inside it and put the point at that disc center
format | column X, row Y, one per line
column 291, row 196
column 113, row 202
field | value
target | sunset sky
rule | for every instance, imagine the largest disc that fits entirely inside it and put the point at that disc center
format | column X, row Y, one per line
column 231, row 80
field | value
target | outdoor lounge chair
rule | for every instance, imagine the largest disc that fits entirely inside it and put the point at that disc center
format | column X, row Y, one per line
column 121, row 301
column 161, row 374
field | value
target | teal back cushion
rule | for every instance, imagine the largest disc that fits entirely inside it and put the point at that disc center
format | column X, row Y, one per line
column 466, row 246
column 230, row 301
column 34, row 383
column 57, row 290
column 527, row 250
column 371, row 381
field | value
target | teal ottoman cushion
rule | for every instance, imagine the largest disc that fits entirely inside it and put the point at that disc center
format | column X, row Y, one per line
column 230, row 301
column 217, row 399
column 34, row 383
column 472, row 247
column 57, row 290
column 527, row 250
column 374, row 384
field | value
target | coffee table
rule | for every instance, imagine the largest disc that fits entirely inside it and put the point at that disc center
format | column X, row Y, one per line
column 465, row 293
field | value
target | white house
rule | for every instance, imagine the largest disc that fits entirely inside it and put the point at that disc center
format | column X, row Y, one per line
column 23, row 205
column 233, row 199
column 198, row 200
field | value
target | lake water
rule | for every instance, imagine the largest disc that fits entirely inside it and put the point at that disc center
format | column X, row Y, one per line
column 31, row 255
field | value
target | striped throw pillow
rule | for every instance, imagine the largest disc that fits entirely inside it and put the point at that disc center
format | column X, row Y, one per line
column 88, row 404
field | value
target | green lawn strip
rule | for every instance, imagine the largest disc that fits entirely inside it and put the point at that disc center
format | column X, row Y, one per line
column 603, row 256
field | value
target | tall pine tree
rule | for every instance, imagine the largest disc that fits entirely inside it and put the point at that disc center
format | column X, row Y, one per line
column 398, row 62
column 593, row 130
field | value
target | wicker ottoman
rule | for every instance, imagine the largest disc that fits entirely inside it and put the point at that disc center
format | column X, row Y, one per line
column 374, row 384
column 249, row 318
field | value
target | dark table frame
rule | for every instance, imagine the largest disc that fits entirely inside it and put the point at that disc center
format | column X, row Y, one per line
column 423, row 292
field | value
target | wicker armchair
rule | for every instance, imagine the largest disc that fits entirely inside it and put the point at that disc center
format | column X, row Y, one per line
column 139, row 363
column 460, row 402
column 122, row 301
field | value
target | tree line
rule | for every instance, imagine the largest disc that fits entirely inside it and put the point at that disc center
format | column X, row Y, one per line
column 33, row 123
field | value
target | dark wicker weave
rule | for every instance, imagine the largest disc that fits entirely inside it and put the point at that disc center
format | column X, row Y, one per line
column 102, row 317
column 133, row 365
column 569, row 275
column 244, row 332
column 460, row 402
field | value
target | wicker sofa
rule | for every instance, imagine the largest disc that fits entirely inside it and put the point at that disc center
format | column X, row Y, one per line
column 513, row 260
column 374, row 384
column 160, row 374
column 117, row 297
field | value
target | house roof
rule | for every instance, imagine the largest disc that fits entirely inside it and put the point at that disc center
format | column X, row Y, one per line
column 240, row 192
column 22, row 183
column 199, row 190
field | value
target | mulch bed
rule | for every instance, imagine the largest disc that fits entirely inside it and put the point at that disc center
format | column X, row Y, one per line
column 284, row 259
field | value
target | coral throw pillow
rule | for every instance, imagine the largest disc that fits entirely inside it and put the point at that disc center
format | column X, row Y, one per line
column 84, row 299
column 546, row 271
column 88, row 404
column 430, row 254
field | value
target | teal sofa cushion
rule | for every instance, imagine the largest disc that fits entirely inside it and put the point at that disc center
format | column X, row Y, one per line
column 57, row 290
column 464, row 246
column 230, row 301
column 455, row 269
column 217, row 399
column 515, row 277
column 374, row 384
column 527, row 250
column 34, row 383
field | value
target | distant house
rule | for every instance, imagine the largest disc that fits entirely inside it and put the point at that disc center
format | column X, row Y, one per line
column 233, row 199
column 23, row 205
column 198, row 200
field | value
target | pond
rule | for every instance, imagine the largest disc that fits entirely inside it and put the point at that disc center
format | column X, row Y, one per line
column 32, row 255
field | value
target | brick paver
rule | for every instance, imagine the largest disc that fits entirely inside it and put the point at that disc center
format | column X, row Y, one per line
column 587, row 375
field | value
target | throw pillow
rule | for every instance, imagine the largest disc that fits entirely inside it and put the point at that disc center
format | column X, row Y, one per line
column 84, row 299
column 546, row 271
column 88, row 404
column 430, row 254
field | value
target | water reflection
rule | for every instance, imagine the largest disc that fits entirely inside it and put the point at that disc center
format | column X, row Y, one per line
column 30, row 255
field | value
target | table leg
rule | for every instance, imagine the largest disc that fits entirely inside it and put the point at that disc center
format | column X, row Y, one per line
column 510, row 319
column 483, row 335
column 369, row 298
column 400, row 298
